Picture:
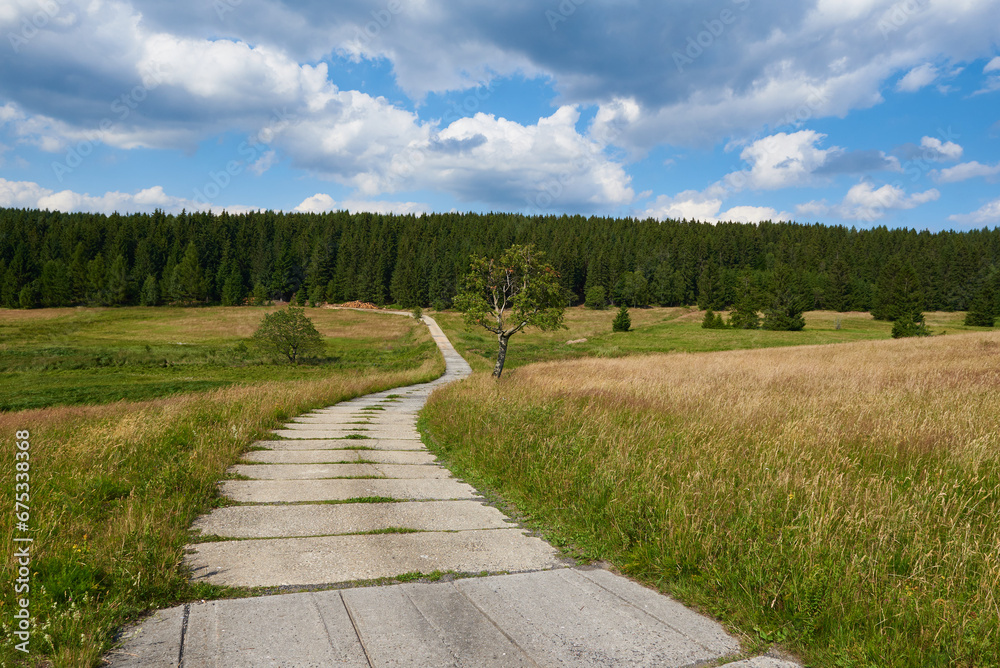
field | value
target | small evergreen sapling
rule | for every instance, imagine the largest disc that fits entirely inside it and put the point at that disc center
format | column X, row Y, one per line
column 713, row 320
column 622, row 321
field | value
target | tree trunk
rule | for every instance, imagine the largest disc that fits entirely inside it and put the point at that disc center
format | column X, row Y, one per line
column 501, row 356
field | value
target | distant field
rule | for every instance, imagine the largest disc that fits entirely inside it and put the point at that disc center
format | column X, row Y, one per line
column 114, row 487
column 656, row 330
column 74, row 356
column 840, row 501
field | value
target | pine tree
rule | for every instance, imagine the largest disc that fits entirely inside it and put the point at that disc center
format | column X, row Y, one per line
column 55, row 284
column 117, row 282
column 187, row 282
column 983, row 309
column 784, row 313
column 149, row 295
column 96, row 276
column 622, row 321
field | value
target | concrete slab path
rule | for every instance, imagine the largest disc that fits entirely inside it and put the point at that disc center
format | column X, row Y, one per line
column 347, row 495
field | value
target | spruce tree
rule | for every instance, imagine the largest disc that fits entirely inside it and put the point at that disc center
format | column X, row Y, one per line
column 149, row 295
column 983, row 309
column 622, row 321
column 784, row 312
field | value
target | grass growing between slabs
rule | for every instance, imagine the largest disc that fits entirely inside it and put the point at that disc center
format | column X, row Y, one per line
column 840, row 501
column 115, row 487
column 85, row 356
column 664, row 330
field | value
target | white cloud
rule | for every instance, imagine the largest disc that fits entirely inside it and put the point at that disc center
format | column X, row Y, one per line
column 935, row 149
column 992, row 66
column 966, row 170
column 781, row 161
column 30, row 195
column 376, row 148
column 988, row 214
column 264, row 163
column 865, row 202
column 321, row 203
column 694, row 205
column 917, row 78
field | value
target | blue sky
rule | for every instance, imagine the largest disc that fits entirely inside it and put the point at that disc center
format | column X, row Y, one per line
column 855, row 112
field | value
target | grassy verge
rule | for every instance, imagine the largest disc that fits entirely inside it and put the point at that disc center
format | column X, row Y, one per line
column 841, row 501
column 664, row 330
column 115, row 487
column 84, row 356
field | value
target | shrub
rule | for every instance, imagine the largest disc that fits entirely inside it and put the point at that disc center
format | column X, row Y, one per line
column 909, row 325
column 622, row 321
column 712, row 320
column 289, row 333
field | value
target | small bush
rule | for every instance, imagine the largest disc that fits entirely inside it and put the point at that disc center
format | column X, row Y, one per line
column 712, row 320
column 289, row 333
column 909, row 325
column 622, row 321
column 418, row 312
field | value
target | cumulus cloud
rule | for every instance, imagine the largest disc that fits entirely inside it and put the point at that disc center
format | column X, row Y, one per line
column 965, row 171
column 865, row 202
column 694, row 205
column 366, row 143
column 917, row 78
column 322, row 203
column 988, row 214
column 30, row 195
column 931, row 149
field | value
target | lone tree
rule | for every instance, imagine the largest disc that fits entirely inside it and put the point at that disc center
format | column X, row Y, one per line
column 289, row 333
column 507, row 294
column 622, row 321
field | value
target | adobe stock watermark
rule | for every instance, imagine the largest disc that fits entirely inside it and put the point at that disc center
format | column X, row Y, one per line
column 251, row 150
column 121, row 108
column 705, row 39
column 562, row 12
column 22, row 541
column 31, row 26
column 899, row 15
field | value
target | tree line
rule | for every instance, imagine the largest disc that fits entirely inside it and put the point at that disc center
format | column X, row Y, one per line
column 63, row 259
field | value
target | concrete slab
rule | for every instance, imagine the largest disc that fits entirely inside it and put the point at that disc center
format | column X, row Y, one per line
column 297, row 491
column 561, row 618
column 287, row 630
column 153, row 642
column 446, row 631
column 333, row 559
column 763, row 662
column 705, row 631
column 339, row 456
column 339, row 444
column 327, row 471
column 343, row 518
column 326, row 434
column 305, row 471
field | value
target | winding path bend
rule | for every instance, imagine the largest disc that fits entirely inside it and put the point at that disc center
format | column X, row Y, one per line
column 349, row 495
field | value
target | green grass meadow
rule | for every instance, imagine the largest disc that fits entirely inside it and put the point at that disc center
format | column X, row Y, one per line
column 134, row 416
column 84, row 356
column 664, row 330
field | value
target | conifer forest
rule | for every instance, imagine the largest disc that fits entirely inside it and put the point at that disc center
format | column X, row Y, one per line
column 52, row 259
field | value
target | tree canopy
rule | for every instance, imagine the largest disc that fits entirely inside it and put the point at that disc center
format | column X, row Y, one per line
column 66, row 259
column 289, row 333
column 506, row 294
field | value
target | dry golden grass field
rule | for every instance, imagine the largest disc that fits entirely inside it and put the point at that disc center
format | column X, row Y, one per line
column 842, row 501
